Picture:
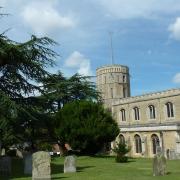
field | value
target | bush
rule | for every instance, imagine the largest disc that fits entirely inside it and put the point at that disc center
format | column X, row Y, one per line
column 121, row 150
column 45, row 146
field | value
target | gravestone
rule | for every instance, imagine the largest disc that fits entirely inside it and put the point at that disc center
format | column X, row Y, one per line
column 159, row 163
column 0, row 146
column 19, row 153
column 5, row 166
column 172, row 154
column 28, row 164
column 41, row 169
column 3, row 152
column 69, row 164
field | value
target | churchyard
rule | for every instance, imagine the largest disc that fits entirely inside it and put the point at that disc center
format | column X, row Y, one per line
column 101, row 168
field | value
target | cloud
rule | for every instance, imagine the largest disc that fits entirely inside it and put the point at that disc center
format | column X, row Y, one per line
column 176, row 78
column 43, row 17
column 128, row 9
column 79, row 61
column 175, row 29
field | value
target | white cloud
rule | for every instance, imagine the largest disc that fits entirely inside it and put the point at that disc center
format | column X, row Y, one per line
column 175, row 29
column 77, row 60
column 176, row 78
column 43, row 17
column 126, row 9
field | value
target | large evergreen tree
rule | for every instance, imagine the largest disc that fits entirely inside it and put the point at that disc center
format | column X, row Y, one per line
column 22, row 67
column 86, row 126
column 61, row 90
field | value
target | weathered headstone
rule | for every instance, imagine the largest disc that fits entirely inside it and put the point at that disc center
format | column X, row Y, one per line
column 19, row 153
column 41, row 169
column 3, row 152
column 28, row 164
column 69, row 164
column 172, row 154
column 5, row 166
column 159, row 163
column 0, row 146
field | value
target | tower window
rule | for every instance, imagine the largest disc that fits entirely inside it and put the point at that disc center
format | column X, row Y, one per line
column 124, row 92
column 152, row 112
column 169, row 109
column 123, row 114
column 111, row 92
column 124, row 78
column 136, row 113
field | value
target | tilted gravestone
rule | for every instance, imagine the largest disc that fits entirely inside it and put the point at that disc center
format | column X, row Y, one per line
column 28, row 164
column 159, row 163
column 41, row 169
column 69, row 164
column 172, row 154
column 5, row 165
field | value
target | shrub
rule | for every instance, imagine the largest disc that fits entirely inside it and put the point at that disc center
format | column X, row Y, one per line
column 121, row 150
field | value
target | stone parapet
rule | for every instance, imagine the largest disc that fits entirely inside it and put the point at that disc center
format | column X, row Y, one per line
column 146, row 97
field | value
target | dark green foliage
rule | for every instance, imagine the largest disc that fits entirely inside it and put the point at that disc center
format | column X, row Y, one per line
column 121, row 150
column 23, row 63
column 86, row 126
column 61, row 90
column 22, row 67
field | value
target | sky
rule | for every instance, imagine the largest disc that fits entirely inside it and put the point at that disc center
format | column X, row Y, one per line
column 145, row 36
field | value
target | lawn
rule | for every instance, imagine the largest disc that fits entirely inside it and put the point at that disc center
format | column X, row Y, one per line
column 104, row 168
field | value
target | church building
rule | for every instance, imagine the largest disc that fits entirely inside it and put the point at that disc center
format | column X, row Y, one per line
column 145, row 121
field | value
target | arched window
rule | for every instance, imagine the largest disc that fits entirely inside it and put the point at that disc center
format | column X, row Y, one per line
column 111, row 92
column 138, row 144
column 124, row 78
column 123, row 114
column 169, row 109
column 152, row 112
column 155, row 143
column 121, row 139
column 124, row 92
column 136, row 113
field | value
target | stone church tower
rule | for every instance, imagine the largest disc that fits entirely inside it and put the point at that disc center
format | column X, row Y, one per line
column 113, row 82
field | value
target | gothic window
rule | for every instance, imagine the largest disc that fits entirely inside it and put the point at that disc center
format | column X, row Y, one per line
column 123, row 114
column 152, row 112
column 124, row 92
column 124, row 78
column 169, row 109
column 121, row 139
column 155, row 143
column 138, row 144
column 136, row 113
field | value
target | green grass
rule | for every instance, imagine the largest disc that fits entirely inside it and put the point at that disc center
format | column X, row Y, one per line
column 104, row 168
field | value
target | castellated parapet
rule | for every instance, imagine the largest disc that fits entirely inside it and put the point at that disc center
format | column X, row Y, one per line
column 113, row 82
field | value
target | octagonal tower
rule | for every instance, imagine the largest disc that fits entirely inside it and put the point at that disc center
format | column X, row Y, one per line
column 113, row 82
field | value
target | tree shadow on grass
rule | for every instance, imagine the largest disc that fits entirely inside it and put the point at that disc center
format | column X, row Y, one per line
column 130, row 159
column 81, row 168
column 59, row 168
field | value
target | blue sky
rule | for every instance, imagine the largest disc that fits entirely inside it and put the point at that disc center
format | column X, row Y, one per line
column 146, row 36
